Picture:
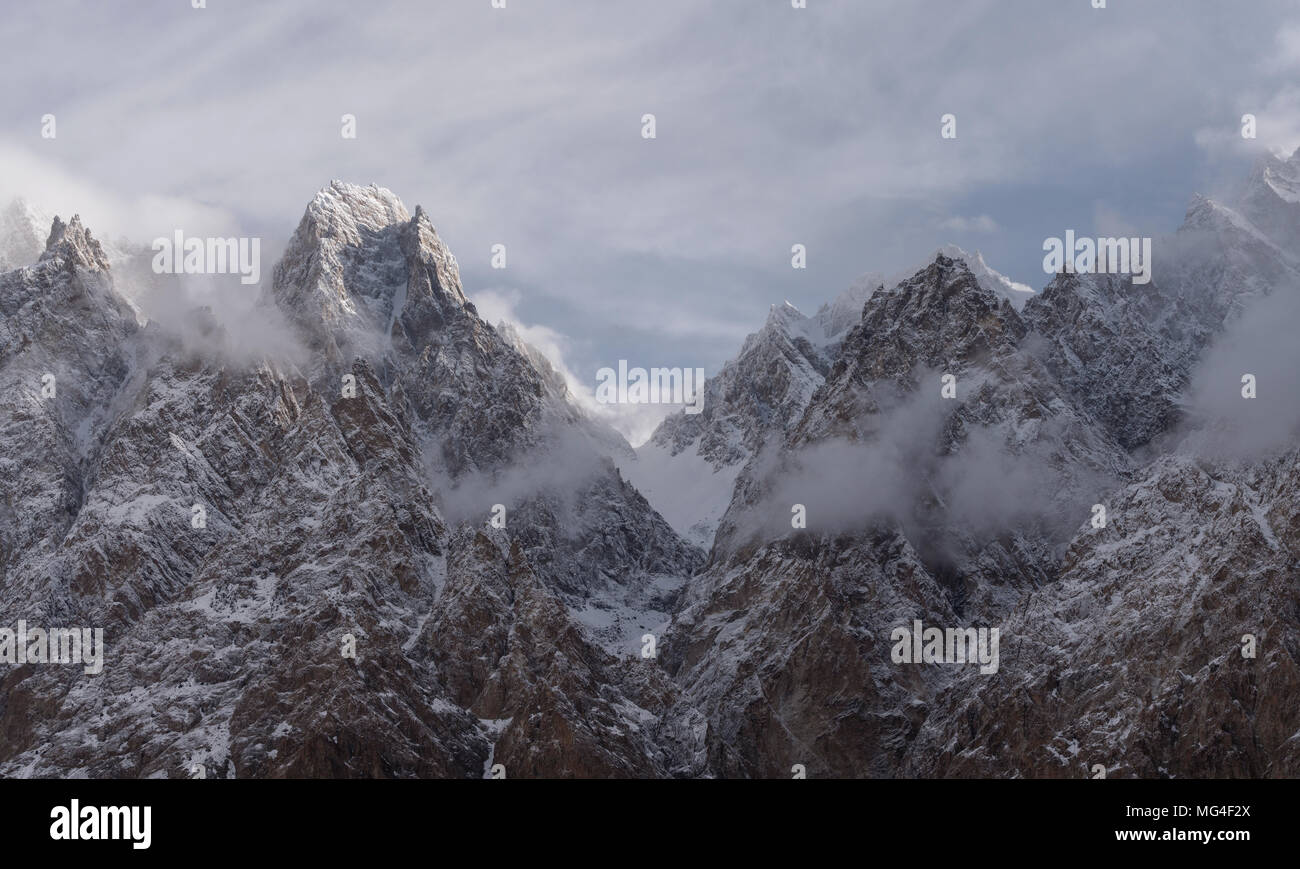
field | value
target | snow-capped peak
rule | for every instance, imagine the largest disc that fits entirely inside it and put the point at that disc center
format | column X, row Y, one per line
column 358, row 262
column 73, row 241
column 1270, row 199
column 994, row 281
column 841, row 314
column 345, row 210
column 1280, row 175
column 784, row 313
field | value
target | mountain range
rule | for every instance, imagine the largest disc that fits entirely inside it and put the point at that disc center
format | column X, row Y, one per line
column 527, row 595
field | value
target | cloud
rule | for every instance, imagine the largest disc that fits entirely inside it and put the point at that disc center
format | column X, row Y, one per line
column 1261, row 342
column 981, row 223
column 522, row 126
column 1271, row 97
column 208, row 313
column 1107, row 222
column 557, row 470
column 1277, row 126
column 139, row 216
column 636, row 422
column 1286, row 50
column 905, row 472
column 213, row 315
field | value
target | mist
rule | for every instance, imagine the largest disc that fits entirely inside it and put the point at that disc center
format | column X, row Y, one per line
column 558, row 467
column 1222, row 422
column 921, row 469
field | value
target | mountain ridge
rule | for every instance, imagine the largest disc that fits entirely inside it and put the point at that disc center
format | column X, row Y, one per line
column 420, row 485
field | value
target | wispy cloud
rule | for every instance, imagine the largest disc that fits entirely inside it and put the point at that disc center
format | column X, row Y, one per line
column 522, row 126
column 636, row 422
column 979, row 223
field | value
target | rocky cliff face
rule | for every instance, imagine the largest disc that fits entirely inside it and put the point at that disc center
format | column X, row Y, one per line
column 1132, row 659
column 1132, row 645
column 521, row 594
column 228, row 523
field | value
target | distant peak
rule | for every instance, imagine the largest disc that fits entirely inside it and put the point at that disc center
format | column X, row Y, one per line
column 1280, row 156
column 1273, row 175
column 784, row 314
column 1202, row 208
column 994, row 281
column 952, row 251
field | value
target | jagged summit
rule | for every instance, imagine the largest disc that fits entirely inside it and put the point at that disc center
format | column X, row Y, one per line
column 783, row 313
column 994, row 281
column 763, row 392
column 836, row 317
column 420, row 243
column 346, row 210
column 365, row 281
column 1279, row 174
column 1270, row 199
column 345, row 488
column 73, row 242
column 359, row 267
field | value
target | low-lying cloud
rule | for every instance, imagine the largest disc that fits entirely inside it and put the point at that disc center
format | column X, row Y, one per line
column 1261, row 344
column 910, row 469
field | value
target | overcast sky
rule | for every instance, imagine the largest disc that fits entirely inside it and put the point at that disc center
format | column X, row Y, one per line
column 775, row 126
